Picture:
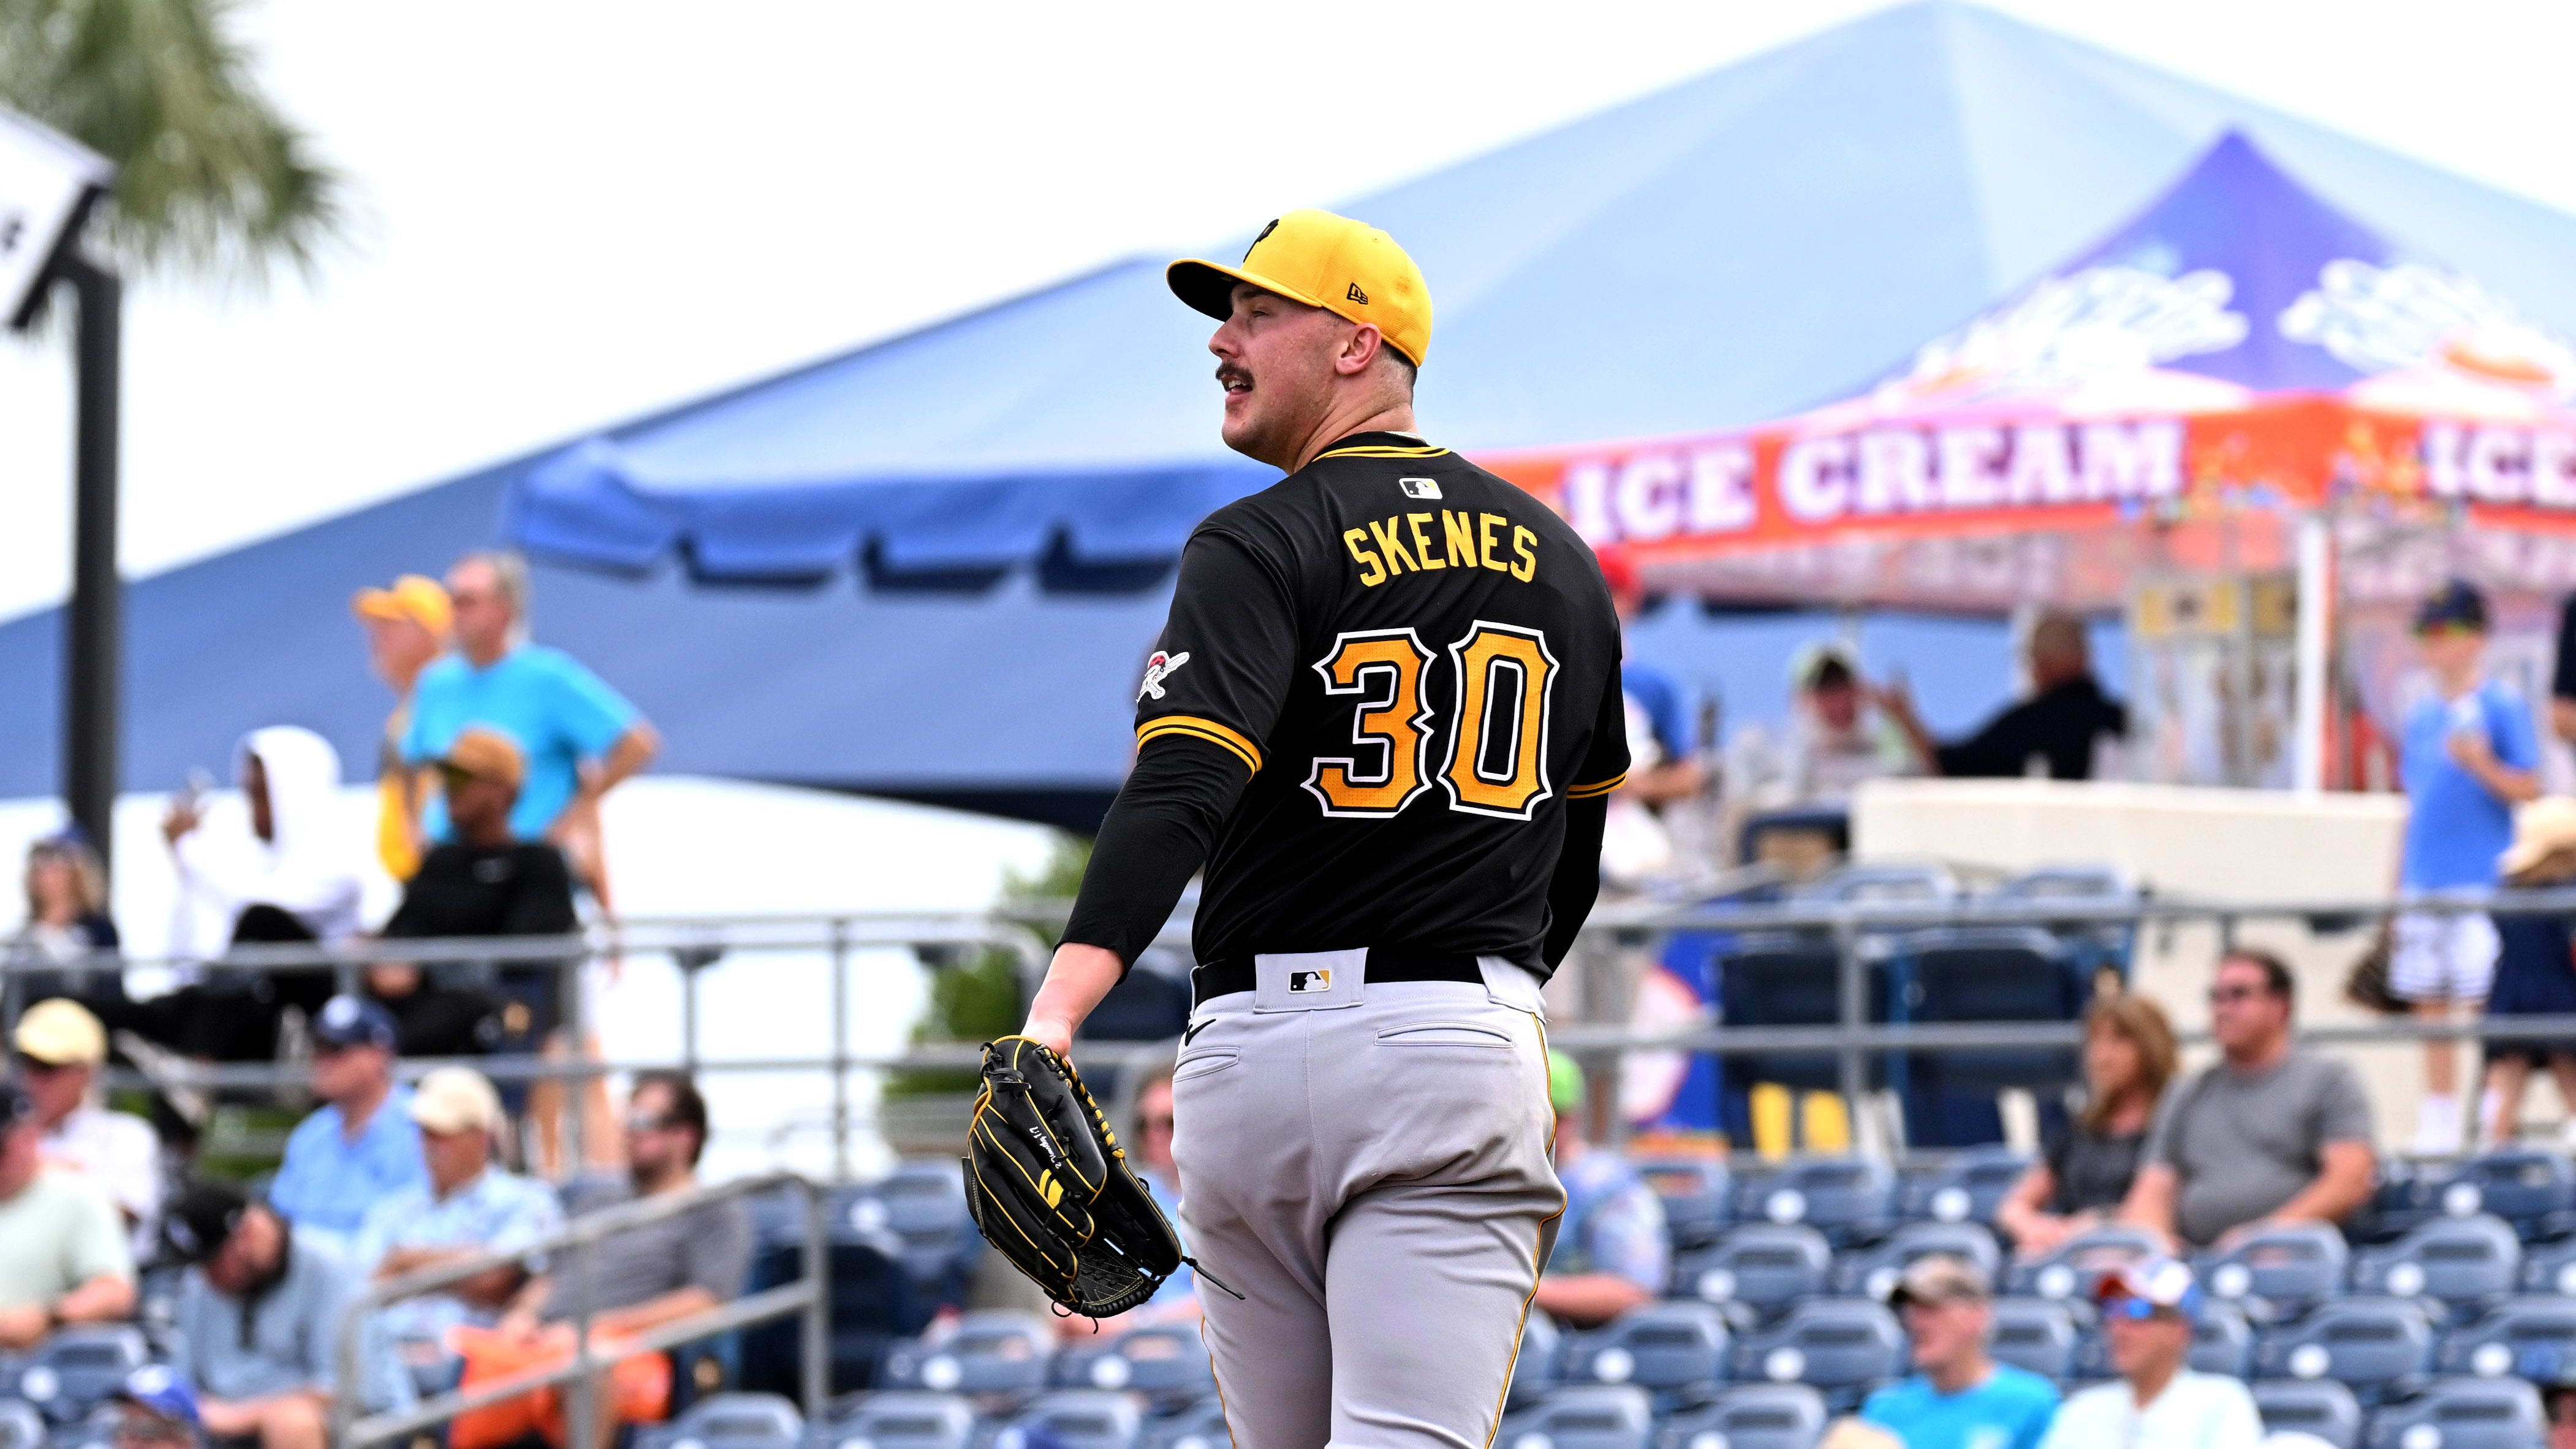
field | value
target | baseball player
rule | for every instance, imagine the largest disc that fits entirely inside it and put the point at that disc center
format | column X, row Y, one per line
column 1383, row 714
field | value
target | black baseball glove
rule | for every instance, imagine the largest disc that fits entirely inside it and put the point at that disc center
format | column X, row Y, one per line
column 1049, row 1186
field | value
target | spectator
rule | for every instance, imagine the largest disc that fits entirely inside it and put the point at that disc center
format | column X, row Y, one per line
column 1958, row 1397
column 2147, row 1313
column 2059, row 725
column 407, row 627
column 579, row 736
column 67, row 926
column 430, row 1019
column 1664, row 769
column 1839, row 735
column 2467, row 757
column 488, row 882
column 285, row 881
column 2089, row 1165
column 469, row 1207
column 2559, row 1402
column 361, row 1146
column 2535, row 967
column 1612, row 1253
column 61, row 1046
column 63, row 1255
column 660, row 1271
column 257, row 1328
column 2268, row 1134
column 155, row 1409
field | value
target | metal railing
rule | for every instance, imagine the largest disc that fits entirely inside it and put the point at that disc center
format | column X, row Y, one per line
column 570, row 1253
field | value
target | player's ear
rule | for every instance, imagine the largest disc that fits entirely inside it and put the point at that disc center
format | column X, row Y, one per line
column 1359, row 351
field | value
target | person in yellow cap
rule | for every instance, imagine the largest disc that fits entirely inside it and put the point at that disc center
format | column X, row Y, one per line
column 1384, row 714
column 407, row 627
column 60, row 1047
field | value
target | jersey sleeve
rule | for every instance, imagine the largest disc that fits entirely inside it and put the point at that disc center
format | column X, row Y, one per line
column 1605, row 763
column 1228, row 651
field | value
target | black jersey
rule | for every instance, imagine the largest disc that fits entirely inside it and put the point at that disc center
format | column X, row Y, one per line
column 1418, row 663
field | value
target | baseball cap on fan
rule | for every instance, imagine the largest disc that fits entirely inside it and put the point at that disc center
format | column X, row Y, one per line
column 421, row 600
column 1317, row 259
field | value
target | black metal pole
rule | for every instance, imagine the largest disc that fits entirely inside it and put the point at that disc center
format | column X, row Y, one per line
column 93, row 628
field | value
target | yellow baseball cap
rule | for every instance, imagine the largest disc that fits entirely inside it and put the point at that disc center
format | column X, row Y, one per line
column 61, row 1032
column 421, row 600
column 1346, row 267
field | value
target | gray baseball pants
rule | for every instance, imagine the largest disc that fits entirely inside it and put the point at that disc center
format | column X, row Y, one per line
column 1368, row 1165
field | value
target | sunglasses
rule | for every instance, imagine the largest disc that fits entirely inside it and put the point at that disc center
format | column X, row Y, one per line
column 2138, row 1310
column 2229, row 995
column 643, row 1123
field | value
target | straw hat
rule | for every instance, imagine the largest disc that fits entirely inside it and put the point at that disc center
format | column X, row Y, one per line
column 2542, row 830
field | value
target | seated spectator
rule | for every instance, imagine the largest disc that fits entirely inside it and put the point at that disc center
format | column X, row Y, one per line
column 1839, row 735
column 662, row 1270
column 2535, row 973
column 2090, row 1165
column 1612, row 1253
column 486, row 881
column 60, row 1049
column 361, row 1146
column 155, row 1409
column 67, row 926
column 469, row 1207
column 1958, row 1396
column 63, row 1254
column 2268, row 1134
column 432, row 1020
column 2147, row 1313
column 287, row 880
column 257, row 1328
column 2059, row 727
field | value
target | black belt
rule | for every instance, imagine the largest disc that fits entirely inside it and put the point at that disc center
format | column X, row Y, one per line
column 1385, row 963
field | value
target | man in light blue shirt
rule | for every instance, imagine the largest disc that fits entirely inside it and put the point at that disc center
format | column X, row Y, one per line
column 2470, row 754
column 361, row 1146
column 468, row 1208
column 579, row 736
column 1958, row 1397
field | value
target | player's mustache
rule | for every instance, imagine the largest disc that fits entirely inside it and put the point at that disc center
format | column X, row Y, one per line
column 1228, row 374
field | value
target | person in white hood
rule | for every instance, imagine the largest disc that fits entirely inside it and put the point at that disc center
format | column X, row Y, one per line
column 289, row 877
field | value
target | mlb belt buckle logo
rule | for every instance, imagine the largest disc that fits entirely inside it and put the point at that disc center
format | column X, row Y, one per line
column 1419, row 487
column 1302, row 982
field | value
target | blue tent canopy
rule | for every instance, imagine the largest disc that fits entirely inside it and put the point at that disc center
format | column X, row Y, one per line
column 1732, row 249
column 1726, row 251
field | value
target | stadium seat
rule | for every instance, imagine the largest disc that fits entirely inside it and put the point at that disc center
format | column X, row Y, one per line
column 1749, row 1416
column 1656, row 1346
column 1534, row 1366
column 2278, row 1272
column 1166, row 1363
column 1965, row 1187
column 2404, row 1199
column 2466, row 1264
column 1202, row 1427
column 1872, row 1272
column 874, row 1302
column 2075, row 1269
column 1841, row 1347
column 2463, row 1414
column 2380, row 1348
column 2533, row 1190
column 1848, row 1199
column 1990, row 974
column 901, row 1421
column 1757, row 1271
column 2550, row 1268
column 1075, row 1419
column 923, row 1204
column 2309, row 1406
column 1880, row 883
column 990, row 1353
column 1698, row 1194
column 2096, row 946
column 74, row 1371
column 22, row 1425
column 730, row 1421
column 1781, row 979
column 1586, row 1416
column 2038, row 1334
column 2532, row 1337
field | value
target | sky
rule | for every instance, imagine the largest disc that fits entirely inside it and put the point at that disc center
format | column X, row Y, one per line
column 571, row 212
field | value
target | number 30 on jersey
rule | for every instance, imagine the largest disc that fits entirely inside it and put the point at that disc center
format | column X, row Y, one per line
column 1494, row 743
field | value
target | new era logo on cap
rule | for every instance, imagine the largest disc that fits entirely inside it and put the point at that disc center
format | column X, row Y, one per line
column 1357, row 295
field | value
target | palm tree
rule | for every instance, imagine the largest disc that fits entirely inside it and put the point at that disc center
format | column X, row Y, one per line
column 211, row 180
